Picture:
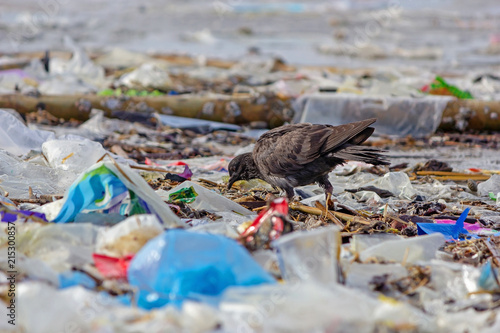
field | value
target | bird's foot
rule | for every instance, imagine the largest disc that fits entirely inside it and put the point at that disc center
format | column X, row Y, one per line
column 329, row 203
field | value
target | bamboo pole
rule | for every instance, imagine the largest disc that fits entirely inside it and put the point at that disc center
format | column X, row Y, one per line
column 222, row 108
column 479, row 115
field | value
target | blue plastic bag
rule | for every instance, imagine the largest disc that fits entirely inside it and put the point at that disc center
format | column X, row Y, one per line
column 449, row 231
column 179, row 265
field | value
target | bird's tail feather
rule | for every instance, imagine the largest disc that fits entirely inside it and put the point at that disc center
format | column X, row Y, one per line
column 363, row 154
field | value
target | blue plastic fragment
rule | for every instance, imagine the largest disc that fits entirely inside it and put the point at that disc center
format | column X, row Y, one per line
column 179, row 265
column 75, row 278
column 14, row 215
column 450, row 231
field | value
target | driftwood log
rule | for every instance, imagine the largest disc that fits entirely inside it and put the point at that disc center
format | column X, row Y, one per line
column 240, row 109
column 466, row 114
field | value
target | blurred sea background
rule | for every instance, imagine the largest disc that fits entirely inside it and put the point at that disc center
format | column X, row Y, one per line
column 445, row 34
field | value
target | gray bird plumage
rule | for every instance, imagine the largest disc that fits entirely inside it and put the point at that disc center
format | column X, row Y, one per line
column 301, row 154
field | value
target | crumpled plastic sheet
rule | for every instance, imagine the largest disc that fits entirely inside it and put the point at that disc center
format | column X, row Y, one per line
column 409, row 250
column 146, row 76
column 59, row 246
column 77, row 309
column 492, row 185
column 308, row 307
column 74, row 307
column 309, row 255
column 360, row 275
column 179, row 265
column 16, row 176
column 399, row 116
column 128, row 236
column 398, row 183
column 72, row 155
column 79, row 66
column 17, row 138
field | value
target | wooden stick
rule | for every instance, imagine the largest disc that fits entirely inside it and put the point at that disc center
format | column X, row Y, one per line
column 316, row 211
column 330, row 215
column 446, row 173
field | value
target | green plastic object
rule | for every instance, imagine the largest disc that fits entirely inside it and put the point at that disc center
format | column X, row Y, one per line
column 440, row 83
column 187, row 195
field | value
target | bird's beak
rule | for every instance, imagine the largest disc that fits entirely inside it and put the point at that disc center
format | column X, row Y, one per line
column 231, row 181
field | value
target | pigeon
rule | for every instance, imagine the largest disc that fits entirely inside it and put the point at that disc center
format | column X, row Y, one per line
column 302, row 154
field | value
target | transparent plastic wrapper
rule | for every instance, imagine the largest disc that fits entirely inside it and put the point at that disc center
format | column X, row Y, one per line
column 67, row 84
column 409, row 250
column 361, row 242
column 310, row 256
column 454, row 281
column 398, row 183
column 17, row 138
column 146, row 76
column 361, row 275
column 468, row 320
column 79, row 65
column 399, row 116
column 17, row 176
column 220, row 228
column 206, row 199
column 128, row 236
column 492, row 185
column 368, row 197
column 61, row 247
column 180, row 265
column 110, row 187
column 43, row 309
column 72, row 155
column 32, row 268
column 298, row 307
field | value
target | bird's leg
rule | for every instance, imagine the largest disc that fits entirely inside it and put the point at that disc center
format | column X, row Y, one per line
column 290, row 194
column 328, row 188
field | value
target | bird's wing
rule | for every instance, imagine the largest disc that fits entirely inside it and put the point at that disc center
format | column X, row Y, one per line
column 285, row 150
column 353, row 133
